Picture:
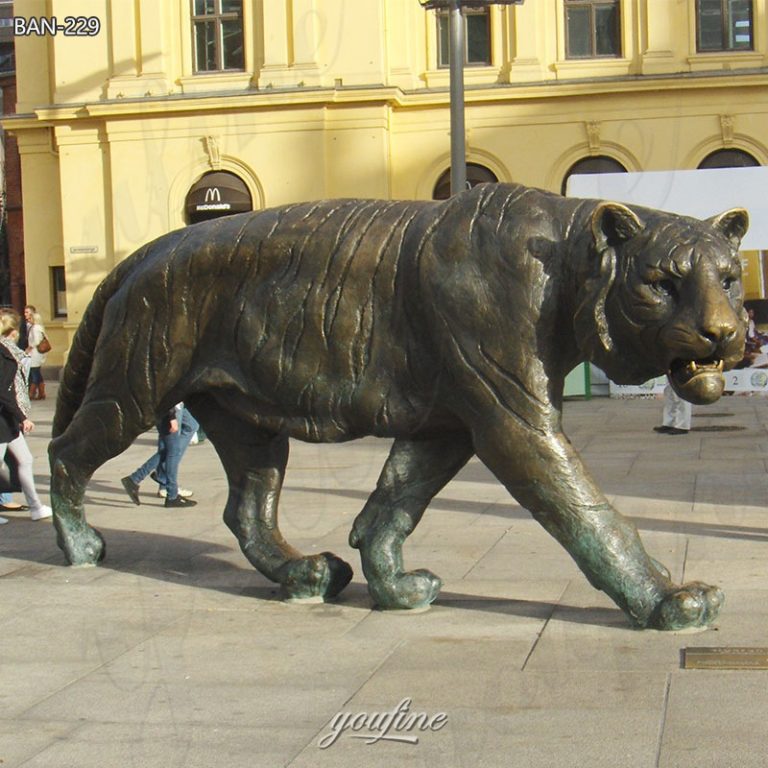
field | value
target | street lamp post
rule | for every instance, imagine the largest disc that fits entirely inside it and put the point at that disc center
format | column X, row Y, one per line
column 458, row 128
column 456, row 68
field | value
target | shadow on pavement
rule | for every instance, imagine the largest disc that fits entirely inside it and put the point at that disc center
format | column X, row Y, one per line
column 512, row 511
column 178, row 560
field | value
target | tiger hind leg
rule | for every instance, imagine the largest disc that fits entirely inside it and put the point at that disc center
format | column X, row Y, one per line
column 98, row 432
column 255, row 466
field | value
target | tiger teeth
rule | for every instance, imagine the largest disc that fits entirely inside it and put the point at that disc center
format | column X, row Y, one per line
column 693, row 367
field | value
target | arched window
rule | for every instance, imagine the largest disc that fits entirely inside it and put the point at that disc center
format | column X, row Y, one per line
column 476, row 174
column 216, row 194
column 596, row 164
column 729, row 158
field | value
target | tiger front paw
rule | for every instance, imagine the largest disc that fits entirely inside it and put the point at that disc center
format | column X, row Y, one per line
column 689, row 606
column 405, row 591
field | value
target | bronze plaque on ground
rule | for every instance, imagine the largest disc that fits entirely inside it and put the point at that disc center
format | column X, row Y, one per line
column 725, row 658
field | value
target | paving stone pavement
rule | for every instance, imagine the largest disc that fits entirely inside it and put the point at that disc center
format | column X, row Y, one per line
column 176, row 653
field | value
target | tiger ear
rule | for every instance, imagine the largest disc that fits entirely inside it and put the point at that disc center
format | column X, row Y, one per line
column 733, row 224
column 614, row 223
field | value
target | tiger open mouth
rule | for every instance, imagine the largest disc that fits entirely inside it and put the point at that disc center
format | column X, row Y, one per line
column 699, row 381
column 684, row 370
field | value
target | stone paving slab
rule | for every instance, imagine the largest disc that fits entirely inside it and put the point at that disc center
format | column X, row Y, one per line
column 699, row 734
column 175, row 652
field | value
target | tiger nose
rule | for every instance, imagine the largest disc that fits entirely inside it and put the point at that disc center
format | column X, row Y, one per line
column 720, row 327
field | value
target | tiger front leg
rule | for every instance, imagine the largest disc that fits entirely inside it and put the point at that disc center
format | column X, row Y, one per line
column 414, row 472
column 544, row 473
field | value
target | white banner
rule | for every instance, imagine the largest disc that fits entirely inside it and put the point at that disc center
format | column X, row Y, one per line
column 750, row 380
column 652, row 387
column 700, row 193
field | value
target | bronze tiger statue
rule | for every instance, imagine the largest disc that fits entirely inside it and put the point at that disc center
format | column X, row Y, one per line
column 446, row 326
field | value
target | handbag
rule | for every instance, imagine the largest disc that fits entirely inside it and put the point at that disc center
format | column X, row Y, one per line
column 44, row 346
column 9, row 474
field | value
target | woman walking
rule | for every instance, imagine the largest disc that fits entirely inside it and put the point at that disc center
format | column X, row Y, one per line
column 37, row 358
column 14, row 411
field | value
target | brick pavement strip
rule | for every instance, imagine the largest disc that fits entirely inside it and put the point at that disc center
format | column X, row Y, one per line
column 176, row 653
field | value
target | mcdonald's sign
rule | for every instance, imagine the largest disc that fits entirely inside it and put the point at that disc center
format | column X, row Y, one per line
column 217, row 194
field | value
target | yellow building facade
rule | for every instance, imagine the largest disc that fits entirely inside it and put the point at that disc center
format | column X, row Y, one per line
column 122, row 114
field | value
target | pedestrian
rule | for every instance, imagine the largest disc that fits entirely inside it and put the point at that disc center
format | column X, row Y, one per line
column 164, row 464
column 14, row 412
column 676, row 414
column 24, row 326
column 188, row 428
column 35, row 338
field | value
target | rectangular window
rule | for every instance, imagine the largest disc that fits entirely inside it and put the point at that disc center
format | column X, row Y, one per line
column 477, row 37
column 592, row 29
column 724, row 25
column 59, row 286
column 217, row 35
column 7, row 58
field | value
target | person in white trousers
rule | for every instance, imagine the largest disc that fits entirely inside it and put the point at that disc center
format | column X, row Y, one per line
column 676, row 414
column 14, row 414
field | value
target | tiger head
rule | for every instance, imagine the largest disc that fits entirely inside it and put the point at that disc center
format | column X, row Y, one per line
column 665, row 297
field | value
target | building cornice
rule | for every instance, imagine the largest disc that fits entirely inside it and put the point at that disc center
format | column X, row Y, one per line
column 287, row 98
